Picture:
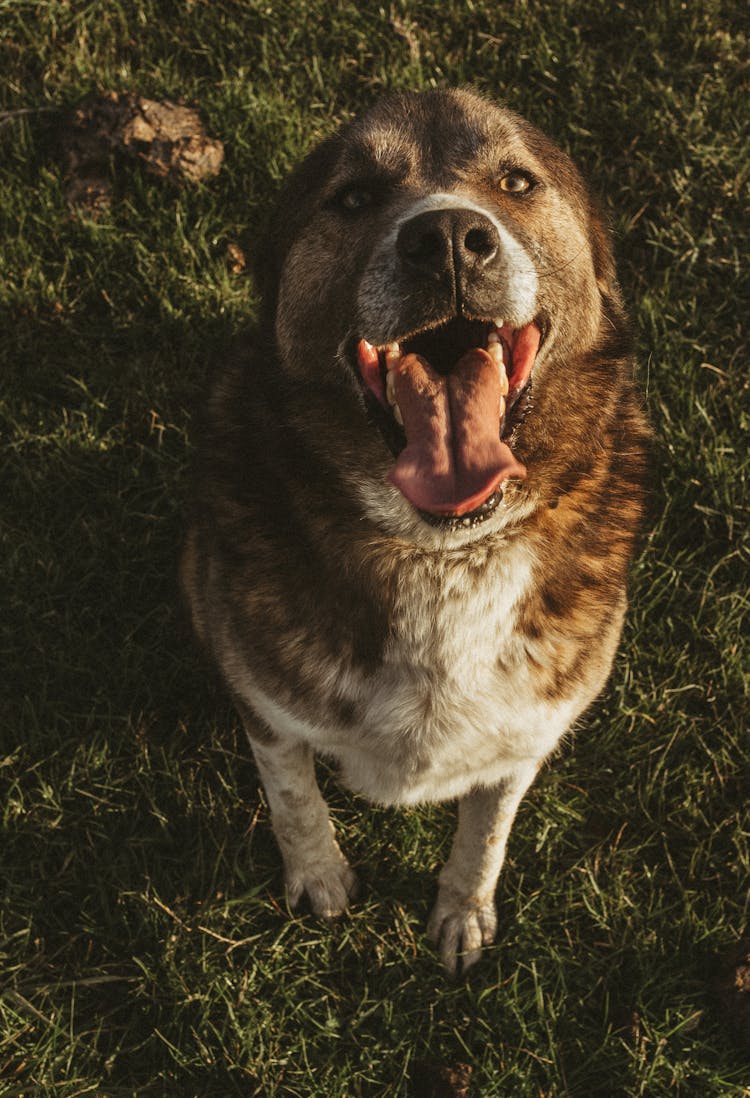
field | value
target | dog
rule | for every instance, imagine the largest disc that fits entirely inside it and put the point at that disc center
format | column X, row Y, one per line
column 419, row 487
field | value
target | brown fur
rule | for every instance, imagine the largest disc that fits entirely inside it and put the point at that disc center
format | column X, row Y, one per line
column 302, row 592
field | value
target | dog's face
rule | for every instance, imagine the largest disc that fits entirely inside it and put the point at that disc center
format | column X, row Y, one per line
column 432, row 261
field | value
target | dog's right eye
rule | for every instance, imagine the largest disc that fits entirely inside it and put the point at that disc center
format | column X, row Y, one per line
column 353, row 198
column 518, row 182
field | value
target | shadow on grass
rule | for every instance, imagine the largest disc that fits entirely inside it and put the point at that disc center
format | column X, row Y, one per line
column 144, row 915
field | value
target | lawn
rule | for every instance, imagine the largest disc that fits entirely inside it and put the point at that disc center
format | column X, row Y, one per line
column 145, row 945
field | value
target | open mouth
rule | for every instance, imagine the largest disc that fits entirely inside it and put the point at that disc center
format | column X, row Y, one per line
column 445, row 399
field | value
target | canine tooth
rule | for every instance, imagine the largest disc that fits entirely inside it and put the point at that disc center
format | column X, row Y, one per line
column 499, row 322
column 390, row 387
column 392, row 356
column 397, row 414
column 495, row 351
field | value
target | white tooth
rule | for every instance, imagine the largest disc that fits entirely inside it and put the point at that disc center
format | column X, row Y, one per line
column 390, row 387
column 397, row 415
column 499, row 322
column 495, row 351
column 392, row 356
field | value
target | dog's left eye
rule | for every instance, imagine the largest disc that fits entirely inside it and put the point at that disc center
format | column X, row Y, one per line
column 354, row 198
column 517, row 182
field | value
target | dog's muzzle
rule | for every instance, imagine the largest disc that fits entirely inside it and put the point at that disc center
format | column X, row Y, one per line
column 444, row 387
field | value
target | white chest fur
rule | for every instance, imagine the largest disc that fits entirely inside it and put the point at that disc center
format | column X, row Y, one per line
column 454, row 703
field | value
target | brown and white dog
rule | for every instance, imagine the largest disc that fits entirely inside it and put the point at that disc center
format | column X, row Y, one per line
column 420, row 486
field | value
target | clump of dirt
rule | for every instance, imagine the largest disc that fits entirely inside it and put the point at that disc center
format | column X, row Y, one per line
column 732, row 989
column 432, row 1080
column 166, row 138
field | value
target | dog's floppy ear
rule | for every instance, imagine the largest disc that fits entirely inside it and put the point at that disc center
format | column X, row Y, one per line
column 606, row 276
column 604, row 260
column 291, row 210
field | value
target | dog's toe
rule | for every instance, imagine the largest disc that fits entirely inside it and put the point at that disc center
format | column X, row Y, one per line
column 460, row 927
column 329, row 887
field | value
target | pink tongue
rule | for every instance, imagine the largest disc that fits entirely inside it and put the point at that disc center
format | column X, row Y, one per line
column 454, row 459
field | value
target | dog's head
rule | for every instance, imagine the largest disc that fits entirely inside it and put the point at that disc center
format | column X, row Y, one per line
column 429, row 264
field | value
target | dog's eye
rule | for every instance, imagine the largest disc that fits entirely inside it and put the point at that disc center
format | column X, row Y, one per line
column 517, row 182
column 354, row 198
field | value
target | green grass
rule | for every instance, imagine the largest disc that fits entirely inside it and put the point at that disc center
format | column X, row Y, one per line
column 144, row 944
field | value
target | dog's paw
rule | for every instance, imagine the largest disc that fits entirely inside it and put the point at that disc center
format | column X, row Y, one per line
column 459, row 927
column 329, row 886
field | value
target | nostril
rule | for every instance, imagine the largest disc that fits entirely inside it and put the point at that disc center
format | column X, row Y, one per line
column 424, row 243
column 480, row 242
column 424, row 247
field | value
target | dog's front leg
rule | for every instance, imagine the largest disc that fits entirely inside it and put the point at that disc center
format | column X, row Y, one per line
column 464, row 918
column 313, row 862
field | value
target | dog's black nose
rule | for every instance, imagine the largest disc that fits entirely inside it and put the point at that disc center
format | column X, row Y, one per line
column 447, row 241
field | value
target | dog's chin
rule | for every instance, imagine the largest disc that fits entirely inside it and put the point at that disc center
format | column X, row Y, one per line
column 392, row 514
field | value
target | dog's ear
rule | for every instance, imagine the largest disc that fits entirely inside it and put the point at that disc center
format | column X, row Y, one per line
column 291, row 210
column 606, row 279
column 604, row 260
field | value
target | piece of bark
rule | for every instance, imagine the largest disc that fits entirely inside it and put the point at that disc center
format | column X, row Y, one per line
column 732, row 989
column 432, row 1080
column 236, row 260
column 166, row 138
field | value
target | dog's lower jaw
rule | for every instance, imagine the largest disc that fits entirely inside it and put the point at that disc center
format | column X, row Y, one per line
column 390, row 512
